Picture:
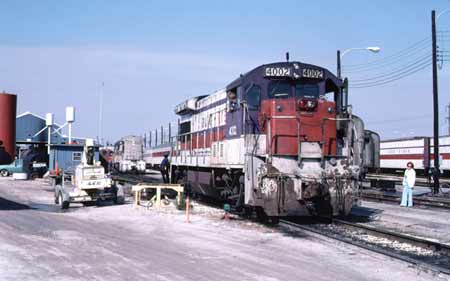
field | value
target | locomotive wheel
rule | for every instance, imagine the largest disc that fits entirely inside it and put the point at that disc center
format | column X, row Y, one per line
column 88, row 203
column 63, row 204
column 261, row 215
column 263, row 218
column 274, row 220
column 247, row 212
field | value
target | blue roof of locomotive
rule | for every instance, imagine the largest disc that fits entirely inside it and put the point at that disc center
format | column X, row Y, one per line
column 297, row 67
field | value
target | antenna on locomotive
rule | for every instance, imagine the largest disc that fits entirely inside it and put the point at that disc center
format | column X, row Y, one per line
column 287, row 56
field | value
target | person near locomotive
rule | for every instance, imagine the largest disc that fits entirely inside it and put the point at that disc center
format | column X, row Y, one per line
column 409, row 180
column 164, row 167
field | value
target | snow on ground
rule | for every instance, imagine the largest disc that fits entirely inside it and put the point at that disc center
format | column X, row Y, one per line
column 126, row 243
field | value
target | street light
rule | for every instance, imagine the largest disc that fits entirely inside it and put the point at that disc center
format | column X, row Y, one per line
column 341, row 55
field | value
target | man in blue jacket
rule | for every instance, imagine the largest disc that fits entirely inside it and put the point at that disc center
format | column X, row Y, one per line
column 164, row 167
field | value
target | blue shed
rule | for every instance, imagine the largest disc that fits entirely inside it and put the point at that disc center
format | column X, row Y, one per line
column 68, row 156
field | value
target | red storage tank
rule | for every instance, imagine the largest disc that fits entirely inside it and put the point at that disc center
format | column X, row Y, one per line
column 8, row 103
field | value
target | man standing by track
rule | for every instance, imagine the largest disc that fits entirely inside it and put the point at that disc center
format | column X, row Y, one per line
column 164, row 167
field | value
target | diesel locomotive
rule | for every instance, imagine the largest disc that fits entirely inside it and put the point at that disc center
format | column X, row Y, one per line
column 280, row 140
column 128, row 155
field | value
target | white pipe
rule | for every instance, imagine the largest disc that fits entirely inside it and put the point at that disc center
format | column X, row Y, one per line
column 38, row 133
column 60, row 128
column 49, row 139
column 70, row 132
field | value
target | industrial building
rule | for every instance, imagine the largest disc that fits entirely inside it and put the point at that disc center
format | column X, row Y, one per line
column 30, row 129
column 32, row 134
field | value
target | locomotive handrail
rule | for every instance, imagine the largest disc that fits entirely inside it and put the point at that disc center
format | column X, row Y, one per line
column 324, row 120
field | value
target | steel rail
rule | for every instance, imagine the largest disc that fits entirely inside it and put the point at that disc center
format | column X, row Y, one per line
column 378, row 249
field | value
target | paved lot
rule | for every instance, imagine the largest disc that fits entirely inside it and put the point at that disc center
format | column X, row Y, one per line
column 38, row 242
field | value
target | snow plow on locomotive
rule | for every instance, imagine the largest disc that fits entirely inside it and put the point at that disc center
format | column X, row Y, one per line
column 280, row 140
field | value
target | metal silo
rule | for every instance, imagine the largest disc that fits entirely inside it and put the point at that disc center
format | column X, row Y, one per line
column 8, row 103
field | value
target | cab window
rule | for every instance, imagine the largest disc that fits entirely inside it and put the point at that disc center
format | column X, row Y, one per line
column 279, row 90
column 254, row 98
column 307, row 91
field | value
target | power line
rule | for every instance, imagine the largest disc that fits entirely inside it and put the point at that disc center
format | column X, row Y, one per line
column 400, row 73
column 395, row 71
column 416, row 117
column 393, row 78
column 410, row 56
column 406, row 118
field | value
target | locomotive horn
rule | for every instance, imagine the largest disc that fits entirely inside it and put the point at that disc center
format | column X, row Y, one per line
column 287, row 56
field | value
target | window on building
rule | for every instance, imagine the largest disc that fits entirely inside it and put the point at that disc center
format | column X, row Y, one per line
column 76, row 156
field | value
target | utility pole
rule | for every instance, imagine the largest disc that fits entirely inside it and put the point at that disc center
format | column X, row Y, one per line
column 150, row 139
column 435, row 105
column 448, row 119
column 338, row 64
column 100, row 115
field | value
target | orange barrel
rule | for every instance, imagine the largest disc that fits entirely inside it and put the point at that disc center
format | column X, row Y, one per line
column 8, row 103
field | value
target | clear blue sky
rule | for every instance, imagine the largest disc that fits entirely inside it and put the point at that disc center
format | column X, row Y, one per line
column 153, row 54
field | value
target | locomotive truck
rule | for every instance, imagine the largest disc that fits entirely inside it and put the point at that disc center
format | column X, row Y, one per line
column 280, row 140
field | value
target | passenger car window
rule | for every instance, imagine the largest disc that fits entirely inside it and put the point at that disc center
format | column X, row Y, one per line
column 254, row 97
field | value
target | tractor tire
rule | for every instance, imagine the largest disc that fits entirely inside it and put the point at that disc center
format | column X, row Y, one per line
column 119, row 200
column 63, row 204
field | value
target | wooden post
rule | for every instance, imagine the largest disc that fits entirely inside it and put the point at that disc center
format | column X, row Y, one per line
column 158, row 197
column 187, row 209
column 136, row 198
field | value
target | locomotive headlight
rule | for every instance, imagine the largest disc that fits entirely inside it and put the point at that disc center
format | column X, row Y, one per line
column 330, row 110
column 307, row 104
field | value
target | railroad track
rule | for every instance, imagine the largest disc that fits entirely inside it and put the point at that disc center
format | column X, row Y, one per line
column 431, row 202
column 423, row 253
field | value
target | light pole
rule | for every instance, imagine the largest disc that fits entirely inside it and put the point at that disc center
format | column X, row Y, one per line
column 341, row 55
